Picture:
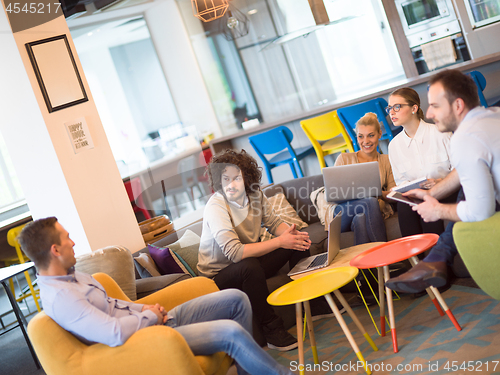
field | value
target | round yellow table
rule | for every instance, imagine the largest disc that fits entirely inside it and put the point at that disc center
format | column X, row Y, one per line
column 318, row 284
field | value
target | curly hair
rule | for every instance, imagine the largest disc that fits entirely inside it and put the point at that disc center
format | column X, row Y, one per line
column 250, row 170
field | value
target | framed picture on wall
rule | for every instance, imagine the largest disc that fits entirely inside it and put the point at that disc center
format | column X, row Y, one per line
column 56, row 72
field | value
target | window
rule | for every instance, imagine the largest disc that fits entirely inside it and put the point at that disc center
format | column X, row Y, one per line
column 352, row 56
column 130, row 92
column 136, row 107
column 12, row 201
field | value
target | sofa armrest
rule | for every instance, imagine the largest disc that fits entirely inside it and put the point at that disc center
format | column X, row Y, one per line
column 181, row 292
column 153, row 284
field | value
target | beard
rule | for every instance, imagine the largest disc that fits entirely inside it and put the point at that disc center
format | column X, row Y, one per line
column 449, row 123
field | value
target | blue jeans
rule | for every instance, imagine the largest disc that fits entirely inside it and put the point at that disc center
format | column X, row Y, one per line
column 222, row 322
column 364, row 218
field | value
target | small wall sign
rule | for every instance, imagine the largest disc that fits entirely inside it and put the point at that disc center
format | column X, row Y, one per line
column 79, row 135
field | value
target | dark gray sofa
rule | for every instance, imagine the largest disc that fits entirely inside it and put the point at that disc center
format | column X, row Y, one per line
column 297, row 192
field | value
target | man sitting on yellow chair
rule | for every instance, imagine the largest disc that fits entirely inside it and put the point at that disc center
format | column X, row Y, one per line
column 216, row 322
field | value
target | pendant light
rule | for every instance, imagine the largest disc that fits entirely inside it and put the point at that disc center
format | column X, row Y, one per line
column 209, row 10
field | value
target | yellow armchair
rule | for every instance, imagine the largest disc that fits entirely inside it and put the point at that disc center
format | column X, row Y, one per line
column 152, row 350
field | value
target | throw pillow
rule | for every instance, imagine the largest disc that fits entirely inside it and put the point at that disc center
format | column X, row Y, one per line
column 286, row 212
column 146, row 266
column 116, row 261
column 166, row 261
column 186, row 248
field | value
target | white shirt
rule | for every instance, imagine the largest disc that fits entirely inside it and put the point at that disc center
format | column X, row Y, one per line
column 427, row 154
column 475, row 153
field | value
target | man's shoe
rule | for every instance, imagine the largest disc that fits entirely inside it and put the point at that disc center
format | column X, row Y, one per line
column 281, row 340
column 420, row 277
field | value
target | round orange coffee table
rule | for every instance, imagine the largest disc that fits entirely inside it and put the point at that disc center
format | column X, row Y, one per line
column 392, row 252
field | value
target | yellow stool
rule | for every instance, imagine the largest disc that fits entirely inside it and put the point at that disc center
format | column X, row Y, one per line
column 12, row 240
column 319, row 284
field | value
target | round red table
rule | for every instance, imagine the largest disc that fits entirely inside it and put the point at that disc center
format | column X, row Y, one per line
column 396, row 251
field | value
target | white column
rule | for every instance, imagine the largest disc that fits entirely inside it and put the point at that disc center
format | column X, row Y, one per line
column 84, row 191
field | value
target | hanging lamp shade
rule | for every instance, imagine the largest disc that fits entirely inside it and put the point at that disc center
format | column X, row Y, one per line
column 209, row 10
column 234, row 24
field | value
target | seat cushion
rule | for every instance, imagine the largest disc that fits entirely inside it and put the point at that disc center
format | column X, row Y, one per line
column 318, row 236
column 115, row 261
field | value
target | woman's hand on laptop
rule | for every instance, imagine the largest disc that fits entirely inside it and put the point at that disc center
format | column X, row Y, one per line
column 294, row 240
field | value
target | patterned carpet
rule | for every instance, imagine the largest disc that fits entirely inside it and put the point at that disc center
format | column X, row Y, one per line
column 428, row 343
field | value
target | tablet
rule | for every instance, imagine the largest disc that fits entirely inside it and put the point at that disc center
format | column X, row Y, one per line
column 415, row 184
column 397, row 196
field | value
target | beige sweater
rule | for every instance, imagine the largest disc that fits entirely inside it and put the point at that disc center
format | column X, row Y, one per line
column 225, row 233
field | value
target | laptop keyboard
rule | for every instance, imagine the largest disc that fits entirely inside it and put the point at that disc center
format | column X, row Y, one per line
column 318, row 261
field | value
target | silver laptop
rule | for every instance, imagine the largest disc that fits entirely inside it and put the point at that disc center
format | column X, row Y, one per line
column 353, row 181
column 324, row 259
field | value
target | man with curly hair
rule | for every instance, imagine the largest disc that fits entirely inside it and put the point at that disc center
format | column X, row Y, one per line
column 230, row 250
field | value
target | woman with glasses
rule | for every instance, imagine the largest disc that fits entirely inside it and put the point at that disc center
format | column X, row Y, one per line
column 420, row 150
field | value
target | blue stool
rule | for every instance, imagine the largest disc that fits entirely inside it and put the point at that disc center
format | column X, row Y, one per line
column 480, row 82
column 278, row 141
column 350, row 115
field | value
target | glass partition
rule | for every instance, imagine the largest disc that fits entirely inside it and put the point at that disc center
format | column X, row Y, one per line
column 307, row 67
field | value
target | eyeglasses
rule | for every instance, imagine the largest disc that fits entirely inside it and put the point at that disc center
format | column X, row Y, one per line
column 396, row 107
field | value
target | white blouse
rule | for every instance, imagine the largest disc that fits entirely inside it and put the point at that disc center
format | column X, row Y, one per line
column 427, row 154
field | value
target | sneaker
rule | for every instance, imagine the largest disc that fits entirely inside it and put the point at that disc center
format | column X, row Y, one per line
column 281, row 340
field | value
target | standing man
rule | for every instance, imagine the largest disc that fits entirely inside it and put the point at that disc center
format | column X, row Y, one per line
column 230, row 249
column 216, row 322
column 475, row 155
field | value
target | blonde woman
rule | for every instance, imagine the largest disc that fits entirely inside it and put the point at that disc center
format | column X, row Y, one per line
column 369, row 227
column 420, row 150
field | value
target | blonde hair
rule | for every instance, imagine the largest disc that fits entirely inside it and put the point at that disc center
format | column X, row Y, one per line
column 369, row 119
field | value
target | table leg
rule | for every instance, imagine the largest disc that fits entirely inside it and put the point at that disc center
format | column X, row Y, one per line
column 446, row 308
column 390, row 308
column 414, row 261
column 22, row 321
column 355, row 319
column 298, row 317
column 347, row 332
column 310, row 328
column 381, row 299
